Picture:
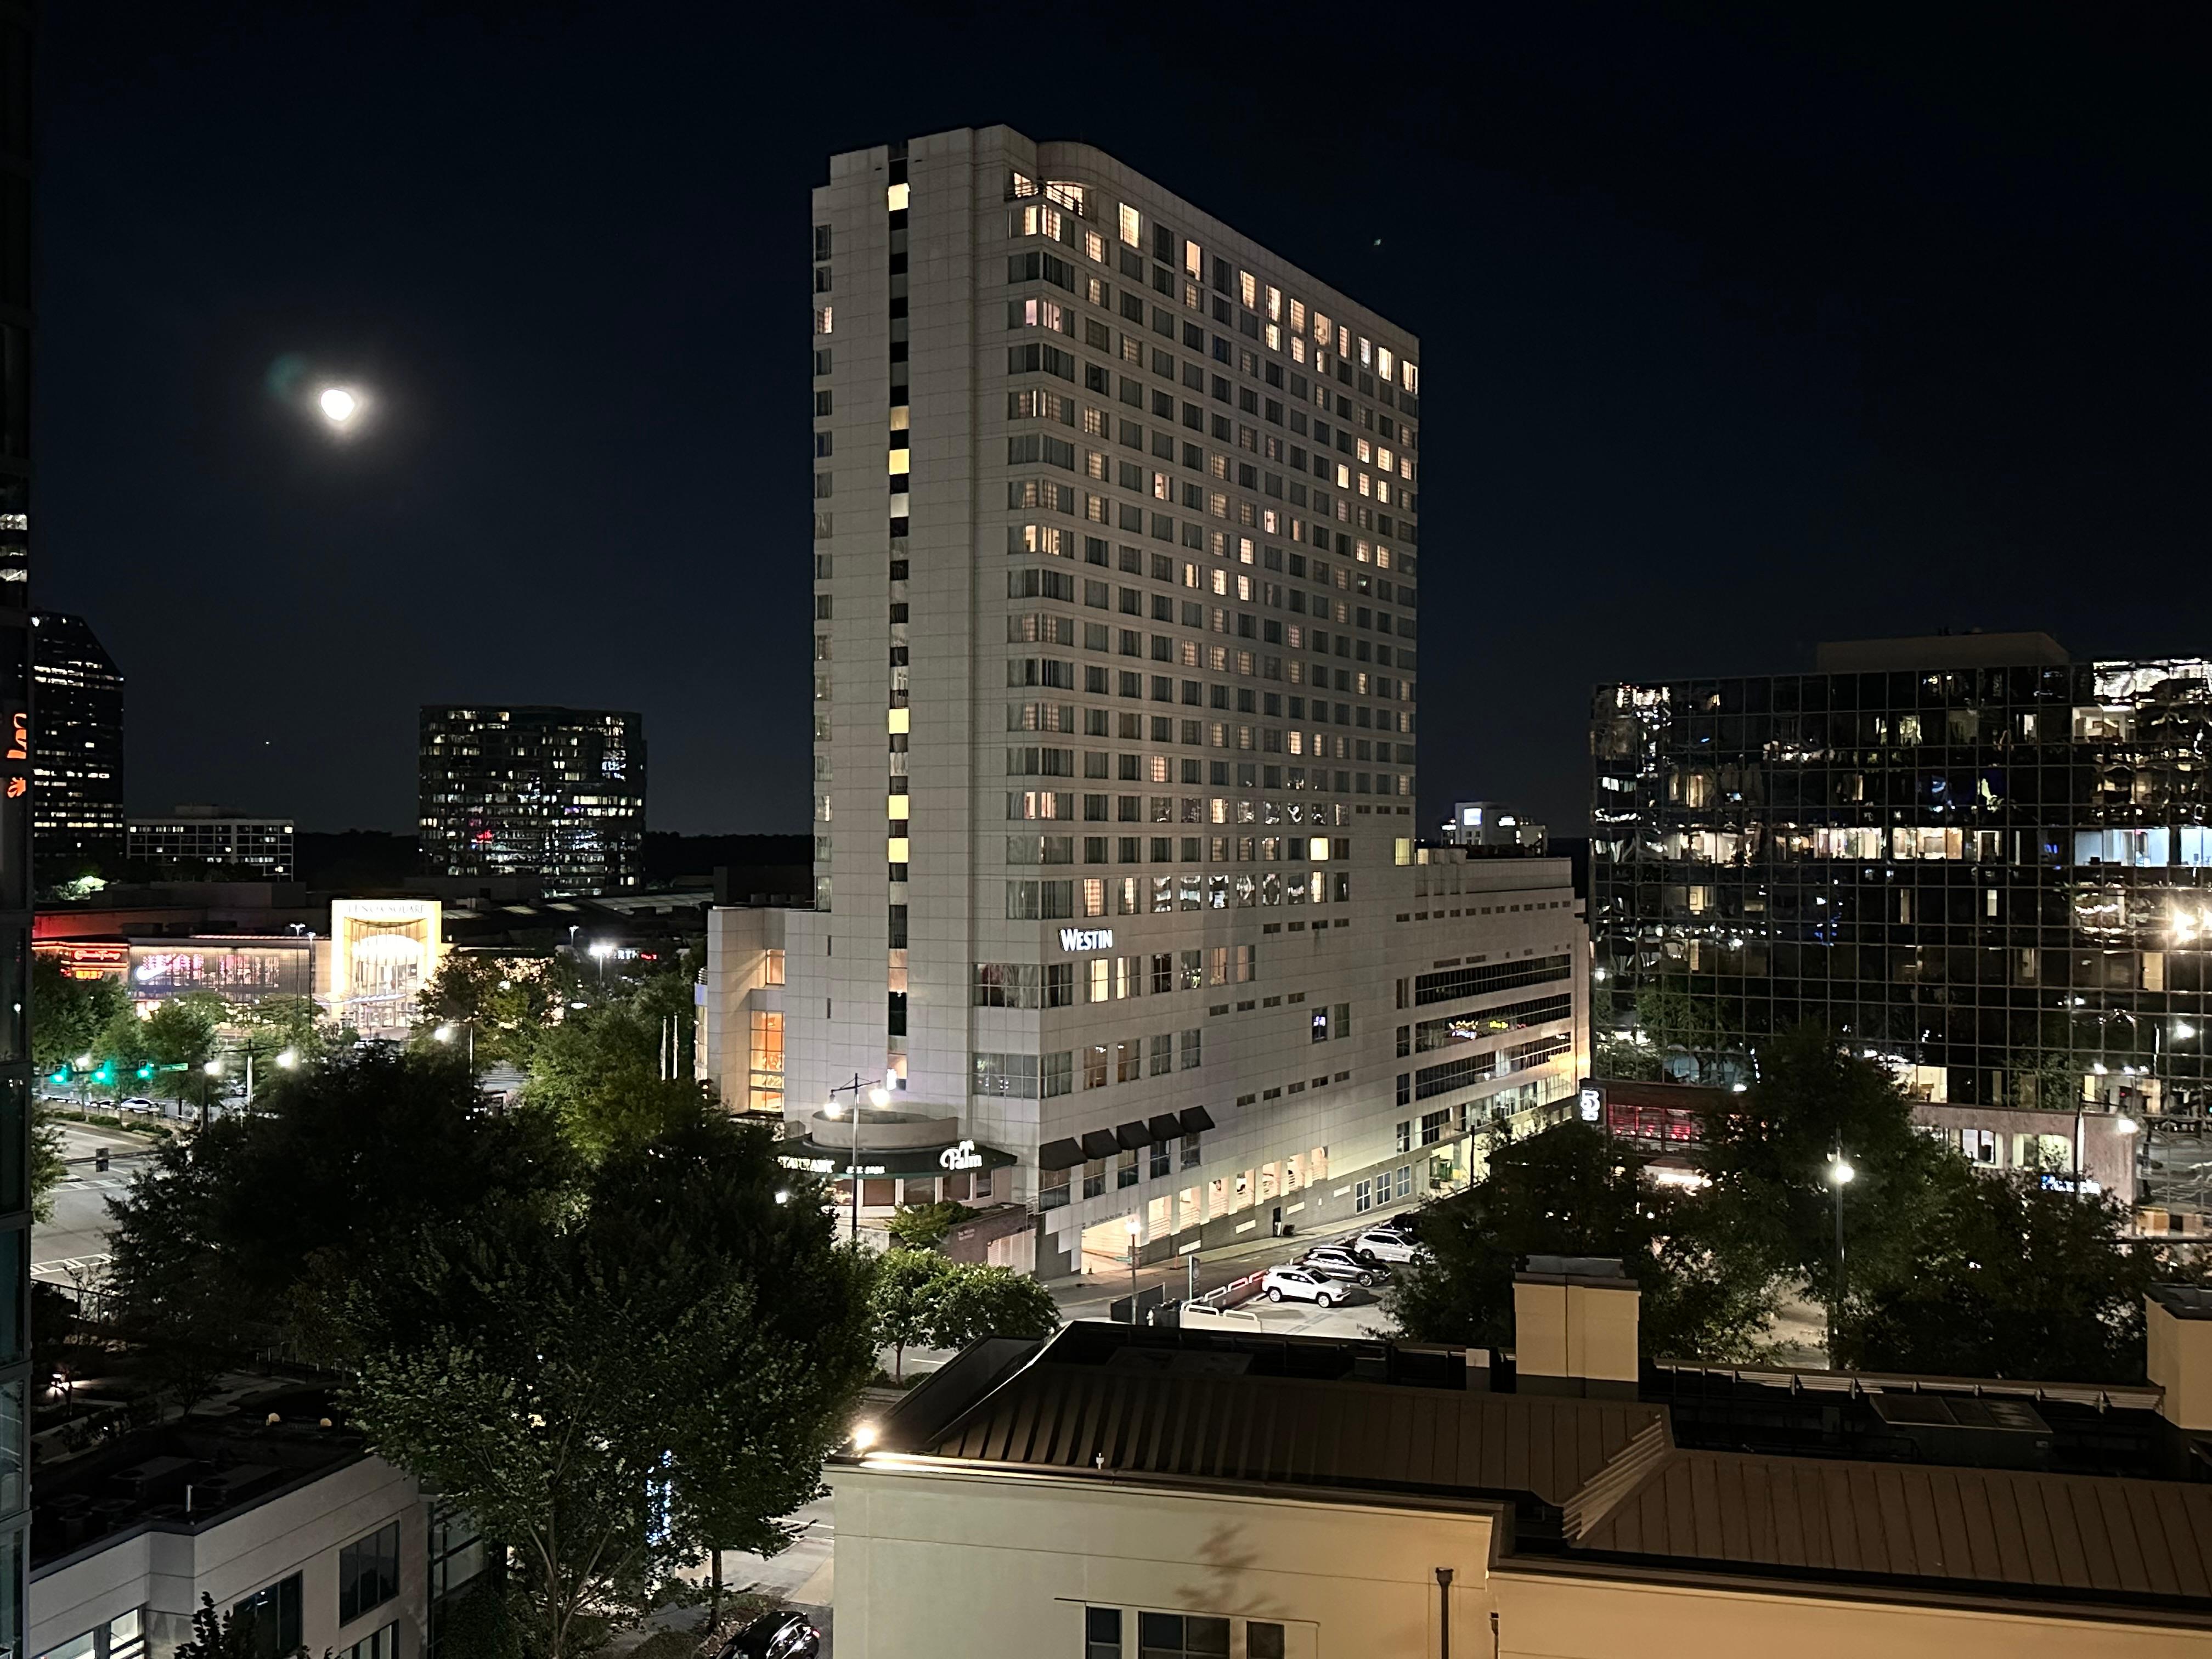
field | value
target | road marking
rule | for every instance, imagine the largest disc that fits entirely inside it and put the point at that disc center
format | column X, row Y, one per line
column 69, row 1264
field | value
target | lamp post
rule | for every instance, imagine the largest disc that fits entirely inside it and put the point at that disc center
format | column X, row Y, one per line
column 1134, row 1226
column 1840, row 1177
column 878, row 1097
column 445, row 1034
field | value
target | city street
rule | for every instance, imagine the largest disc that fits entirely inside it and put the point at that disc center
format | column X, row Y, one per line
column 73, row 1246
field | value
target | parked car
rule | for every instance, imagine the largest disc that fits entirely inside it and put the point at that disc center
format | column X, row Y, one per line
column 1408, row 1221
column 1337, row 1262
column 1294, row 1284
column 1385, row 1244
column 784, row 1635
column 135, row 1103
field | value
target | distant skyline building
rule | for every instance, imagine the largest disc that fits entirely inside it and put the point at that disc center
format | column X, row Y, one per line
column 76, row 803
column 1971, row 855
column 1118, row 899
column 1487, row 824
column 519, row 789
column 200, row 842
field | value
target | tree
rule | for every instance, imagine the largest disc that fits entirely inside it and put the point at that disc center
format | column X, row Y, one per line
column 973, row 1302
column 69, row 1015
column 232, row 1635
column 923, row 1226
column 1770, row 1157
column 611, row 1383
column 509, row 1002
column 2009, row 1279
column 230, row 1240
column 599, row 1072
column 1571, row 1191
column 48, row 1165
column 918, row 1299
column 180, row 1037
column 903, row 1301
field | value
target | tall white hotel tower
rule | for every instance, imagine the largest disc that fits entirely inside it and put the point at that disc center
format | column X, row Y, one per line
column 1116, row 559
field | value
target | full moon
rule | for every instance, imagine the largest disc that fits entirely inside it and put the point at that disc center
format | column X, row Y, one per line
column 338, row 406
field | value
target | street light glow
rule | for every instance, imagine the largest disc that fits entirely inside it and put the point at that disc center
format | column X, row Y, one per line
column 879, row 1097
column 1840, row 1172
column 2126, row 1125
column 444, row 1034
column 288, row 1058
column 339, row 405
column 864, row 1437
column 2183, row 1030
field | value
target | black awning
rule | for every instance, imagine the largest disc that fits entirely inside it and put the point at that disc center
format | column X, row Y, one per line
column 1167, row 1126
column 1059, row 1155
column 1195, row 1121
column 1100, row 1143
column 1132, row 1136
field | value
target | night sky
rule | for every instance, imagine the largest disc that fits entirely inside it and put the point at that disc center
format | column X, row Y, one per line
column 1740, row 331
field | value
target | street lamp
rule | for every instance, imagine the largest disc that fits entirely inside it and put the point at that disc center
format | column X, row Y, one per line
column 878, row 1097
column 445, row 1034
column 1840, row 1177
column 1133, row 1226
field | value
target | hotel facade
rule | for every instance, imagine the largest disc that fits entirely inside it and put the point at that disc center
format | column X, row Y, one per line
column 1116, row 530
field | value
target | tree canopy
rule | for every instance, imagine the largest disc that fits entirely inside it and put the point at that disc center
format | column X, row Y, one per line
column 1570, row 1191
column 615, row 1383
column 613, row 1355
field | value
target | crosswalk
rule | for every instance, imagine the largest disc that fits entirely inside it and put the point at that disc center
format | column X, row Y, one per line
column 70, row 1269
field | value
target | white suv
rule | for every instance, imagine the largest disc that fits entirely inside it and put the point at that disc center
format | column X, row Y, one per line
column 1381, row 1244
column 1297, row 1284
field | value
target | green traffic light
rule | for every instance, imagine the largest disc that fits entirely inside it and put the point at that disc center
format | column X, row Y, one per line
column 145, row 1071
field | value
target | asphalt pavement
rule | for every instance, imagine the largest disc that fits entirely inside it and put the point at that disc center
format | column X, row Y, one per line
column 72, row 1248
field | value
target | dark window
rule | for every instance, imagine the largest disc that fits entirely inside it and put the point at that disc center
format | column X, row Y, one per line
column 368, row 1573
column 270, row 1618
column 1102, row 1633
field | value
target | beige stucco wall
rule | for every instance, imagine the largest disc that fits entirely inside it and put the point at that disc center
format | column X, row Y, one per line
column 957, row 1565
column 1560, row 1618
column 935, row 1561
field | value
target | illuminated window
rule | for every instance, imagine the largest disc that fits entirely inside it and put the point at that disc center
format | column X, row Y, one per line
column 1247, row 290
column 1132, row 226
column 765, row 1078
column 1382, row 361
column 1193, row 262
column 895, row 198
column 1275, row 304
column 775, row 975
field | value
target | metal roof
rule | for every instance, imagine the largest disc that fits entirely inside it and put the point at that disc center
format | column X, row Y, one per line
column 1993, row 1527
column 1594, row 1479
column 1297, row 1430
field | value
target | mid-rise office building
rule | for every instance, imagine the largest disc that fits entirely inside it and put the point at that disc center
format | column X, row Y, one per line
column 558, row 794
column 1116, row 572
column 17, row 717
column 201, row 840
column 1971, row 854
column 76, row 801
column 1487, row 824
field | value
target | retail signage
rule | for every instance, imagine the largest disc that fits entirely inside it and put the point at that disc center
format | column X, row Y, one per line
column 1087, row 939
column 1593, row 1105
column 962, row 1156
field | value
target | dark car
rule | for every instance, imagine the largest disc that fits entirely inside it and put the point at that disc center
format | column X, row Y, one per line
column 1338, row 1262
column 775, row 1636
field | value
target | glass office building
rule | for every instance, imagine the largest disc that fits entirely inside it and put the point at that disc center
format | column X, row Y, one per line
column 76, row 804
column 558, row 794
column 1982, row 860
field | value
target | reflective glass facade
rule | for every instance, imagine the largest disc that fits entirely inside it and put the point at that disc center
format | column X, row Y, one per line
column 1999, row 876
column 558, row 794
column 76, row 809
